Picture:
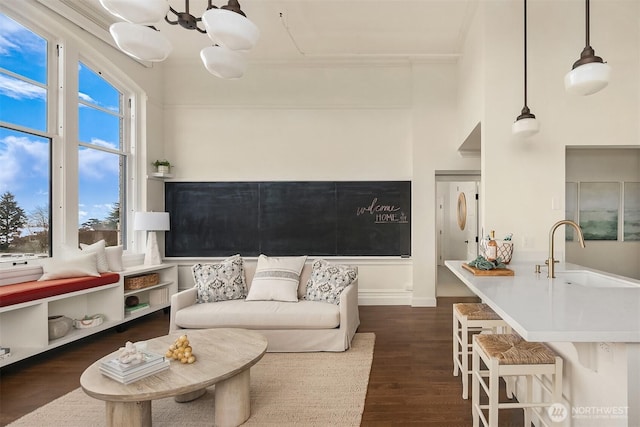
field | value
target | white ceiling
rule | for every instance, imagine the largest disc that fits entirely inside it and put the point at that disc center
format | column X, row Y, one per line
column 326, row 29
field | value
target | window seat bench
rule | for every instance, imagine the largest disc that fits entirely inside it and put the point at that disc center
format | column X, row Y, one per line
column 33, row 290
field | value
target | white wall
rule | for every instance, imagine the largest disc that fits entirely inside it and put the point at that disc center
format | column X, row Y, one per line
column 520, row 179
column 338, row 121
column 605, row 165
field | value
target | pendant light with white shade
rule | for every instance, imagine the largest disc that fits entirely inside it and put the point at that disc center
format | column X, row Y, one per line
column 526, row 123
column 232, row 33
column 141, row 42
column 590, row 73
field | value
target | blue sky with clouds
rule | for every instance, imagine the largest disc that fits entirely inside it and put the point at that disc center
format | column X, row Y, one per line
column 25, row 157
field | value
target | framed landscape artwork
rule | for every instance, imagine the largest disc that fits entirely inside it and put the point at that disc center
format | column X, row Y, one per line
column 571, row 208
column 631, row 225
column 599, row 210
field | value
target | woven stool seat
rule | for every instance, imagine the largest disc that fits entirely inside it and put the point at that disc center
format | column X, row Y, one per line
column 514, row 350
column 468, row 319
column 510, row 356
column 476, row 311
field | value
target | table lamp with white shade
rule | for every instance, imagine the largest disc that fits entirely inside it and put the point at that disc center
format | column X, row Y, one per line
column 151, row 222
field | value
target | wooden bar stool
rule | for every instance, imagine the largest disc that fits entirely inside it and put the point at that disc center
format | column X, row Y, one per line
column 471, row 318
column 510, row 355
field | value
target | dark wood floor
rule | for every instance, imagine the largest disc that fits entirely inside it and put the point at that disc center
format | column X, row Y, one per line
column 411, row 380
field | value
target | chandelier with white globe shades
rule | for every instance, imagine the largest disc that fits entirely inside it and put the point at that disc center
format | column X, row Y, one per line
column 232, row 34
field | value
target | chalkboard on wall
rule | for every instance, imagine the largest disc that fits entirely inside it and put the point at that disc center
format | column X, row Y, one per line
column 317, row 218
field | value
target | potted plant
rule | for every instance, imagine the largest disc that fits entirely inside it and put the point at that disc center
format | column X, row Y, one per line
column 162, row 166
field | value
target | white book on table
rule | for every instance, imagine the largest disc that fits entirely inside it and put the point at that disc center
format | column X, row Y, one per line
column 137, row 375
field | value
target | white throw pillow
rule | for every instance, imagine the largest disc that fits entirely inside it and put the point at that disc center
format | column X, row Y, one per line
column 327, row 281
column 83, row 265
column 114, row 257
column 276, row 279
column 222, row 281
column 98, row 249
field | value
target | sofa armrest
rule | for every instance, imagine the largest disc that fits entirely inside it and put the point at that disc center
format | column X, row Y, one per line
column 349, row 313
column 179, row 301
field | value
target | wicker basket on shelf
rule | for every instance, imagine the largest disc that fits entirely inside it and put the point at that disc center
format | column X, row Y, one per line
column 139, row 282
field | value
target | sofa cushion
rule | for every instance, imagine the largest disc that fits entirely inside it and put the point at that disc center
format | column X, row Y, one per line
column 276, row 279
column 328, row 280
column 221, row 281
column 259, row 315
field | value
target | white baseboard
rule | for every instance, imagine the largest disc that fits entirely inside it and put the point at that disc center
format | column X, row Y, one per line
column 423, row 302
column 384, row 297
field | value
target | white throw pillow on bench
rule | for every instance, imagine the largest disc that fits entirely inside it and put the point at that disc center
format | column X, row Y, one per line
column 82, row 265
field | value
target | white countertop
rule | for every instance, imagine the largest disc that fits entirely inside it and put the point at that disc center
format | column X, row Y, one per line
column 547, row 310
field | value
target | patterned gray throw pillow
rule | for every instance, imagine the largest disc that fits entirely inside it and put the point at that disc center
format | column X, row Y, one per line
column 327, row 281
column 220, row 282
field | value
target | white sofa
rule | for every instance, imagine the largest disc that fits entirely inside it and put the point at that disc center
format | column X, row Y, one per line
column 301, row 326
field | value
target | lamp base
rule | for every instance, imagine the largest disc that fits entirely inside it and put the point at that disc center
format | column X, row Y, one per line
column 152, row 253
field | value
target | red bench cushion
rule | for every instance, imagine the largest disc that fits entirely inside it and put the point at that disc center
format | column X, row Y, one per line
column 29, row 291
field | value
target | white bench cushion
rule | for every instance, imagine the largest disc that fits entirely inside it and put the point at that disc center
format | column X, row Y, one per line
column 259, row 315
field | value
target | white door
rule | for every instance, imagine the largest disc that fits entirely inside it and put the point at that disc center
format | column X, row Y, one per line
column 457, row 220
column 466, row 208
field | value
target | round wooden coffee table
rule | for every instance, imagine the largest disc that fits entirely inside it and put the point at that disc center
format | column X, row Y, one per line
column 224, row 358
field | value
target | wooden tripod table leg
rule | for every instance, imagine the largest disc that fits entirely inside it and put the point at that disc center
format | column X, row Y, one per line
column 232, row 403
column 129, row 414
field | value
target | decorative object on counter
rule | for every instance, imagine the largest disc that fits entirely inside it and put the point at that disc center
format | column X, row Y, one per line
column 505, row 251
column 88, row 321
column 491, row 253
column 181, row 350
column 59, row 326
column 131, row 301
column 483, row 263
column 481, row 267
column 504, row 248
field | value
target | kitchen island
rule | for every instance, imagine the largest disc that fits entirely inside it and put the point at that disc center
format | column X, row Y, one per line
column 593, row 326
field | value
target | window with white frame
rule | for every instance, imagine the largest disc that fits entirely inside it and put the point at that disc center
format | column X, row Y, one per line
column 25, row 142
column 102, row 158
column 34, row 142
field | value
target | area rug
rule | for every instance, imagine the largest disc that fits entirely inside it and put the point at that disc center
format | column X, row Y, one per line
column 287, row 389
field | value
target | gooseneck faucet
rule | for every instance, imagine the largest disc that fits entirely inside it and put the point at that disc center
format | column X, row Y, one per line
column 551, row 260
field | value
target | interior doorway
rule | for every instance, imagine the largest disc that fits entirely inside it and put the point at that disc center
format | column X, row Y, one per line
column 457, row 225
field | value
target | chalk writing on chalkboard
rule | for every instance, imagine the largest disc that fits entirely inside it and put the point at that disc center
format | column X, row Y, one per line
column 383, row 213
column 321, row 218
